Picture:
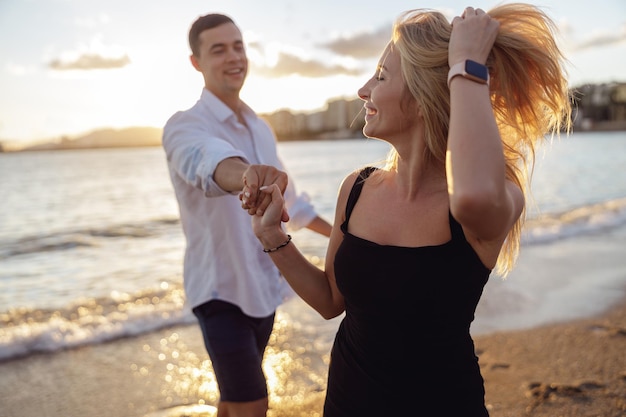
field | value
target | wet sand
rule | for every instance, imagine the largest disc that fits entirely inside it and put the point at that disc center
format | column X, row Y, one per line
column 571, row 369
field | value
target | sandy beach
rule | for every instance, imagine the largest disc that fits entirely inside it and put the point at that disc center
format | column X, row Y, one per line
column 574, row 369
column 571, row 369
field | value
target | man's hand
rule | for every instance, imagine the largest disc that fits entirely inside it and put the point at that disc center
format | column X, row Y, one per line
column 255, row 177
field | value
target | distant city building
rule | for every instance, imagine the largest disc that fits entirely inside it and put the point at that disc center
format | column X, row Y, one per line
column 596, row 107
column 341, row 118
column 600, row 107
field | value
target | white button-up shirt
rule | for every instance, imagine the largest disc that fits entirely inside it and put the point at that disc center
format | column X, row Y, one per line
column 223, row 258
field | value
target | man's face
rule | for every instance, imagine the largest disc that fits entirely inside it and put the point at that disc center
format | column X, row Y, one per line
column 222, row 60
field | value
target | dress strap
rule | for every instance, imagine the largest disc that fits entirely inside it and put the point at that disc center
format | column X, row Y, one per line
column 456, row 230
column 355, row 192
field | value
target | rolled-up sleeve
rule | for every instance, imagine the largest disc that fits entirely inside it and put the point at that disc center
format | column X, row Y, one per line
column 300, row 209
column 193, row 154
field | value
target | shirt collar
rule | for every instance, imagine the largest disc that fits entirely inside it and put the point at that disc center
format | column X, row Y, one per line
column 221, row 110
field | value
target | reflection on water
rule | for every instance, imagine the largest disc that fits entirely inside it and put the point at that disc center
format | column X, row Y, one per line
column 295, row 367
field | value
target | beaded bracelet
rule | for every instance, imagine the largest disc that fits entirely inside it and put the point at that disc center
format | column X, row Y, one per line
column 282, row 245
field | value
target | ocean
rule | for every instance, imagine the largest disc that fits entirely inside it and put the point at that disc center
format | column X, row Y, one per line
column 91, row 247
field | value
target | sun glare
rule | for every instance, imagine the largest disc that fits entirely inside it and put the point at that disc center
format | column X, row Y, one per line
column 296, row 93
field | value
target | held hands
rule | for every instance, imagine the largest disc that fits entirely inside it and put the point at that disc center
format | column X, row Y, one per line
column 473, row 35
column 267, row 223
column 255, row 198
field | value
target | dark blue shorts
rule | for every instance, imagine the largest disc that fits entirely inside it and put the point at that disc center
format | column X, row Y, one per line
column 235, row 343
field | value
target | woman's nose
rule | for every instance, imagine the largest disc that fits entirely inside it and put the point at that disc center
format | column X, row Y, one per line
column 363, row 93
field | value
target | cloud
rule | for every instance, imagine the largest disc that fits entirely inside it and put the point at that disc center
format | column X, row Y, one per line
column 89, row 61
column 289, row 64
column 93, row 56
column 601, row 39
column 361, row 45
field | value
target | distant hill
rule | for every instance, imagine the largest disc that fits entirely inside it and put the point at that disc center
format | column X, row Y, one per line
column 132, row 137
column 101, row 138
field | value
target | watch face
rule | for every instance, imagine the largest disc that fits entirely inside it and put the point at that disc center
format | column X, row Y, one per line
column 476, row 69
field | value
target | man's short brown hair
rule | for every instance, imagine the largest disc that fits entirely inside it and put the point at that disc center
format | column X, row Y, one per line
column 203, row 23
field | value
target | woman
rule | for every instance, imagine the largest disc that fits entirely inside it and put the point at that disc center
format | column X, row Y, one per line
column 419, row 237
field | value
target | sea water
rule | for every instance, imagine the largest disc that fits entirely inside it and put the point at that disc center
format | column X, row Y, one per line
column 91, row 246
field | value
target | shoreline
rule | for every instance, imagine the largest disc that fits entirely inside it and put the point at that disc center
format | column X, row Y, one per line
column 569, row 369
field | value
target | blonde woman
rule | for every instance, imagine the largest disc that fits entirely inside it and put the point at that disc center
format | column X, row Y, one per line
column 463, row 104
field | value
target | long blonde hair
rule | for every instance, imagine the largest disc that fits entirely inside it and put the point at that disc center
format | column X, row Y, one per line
column 529, row 91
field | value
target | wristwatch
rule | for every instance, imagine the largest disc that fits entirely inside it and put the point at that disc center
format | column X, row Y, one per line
column 471, row 70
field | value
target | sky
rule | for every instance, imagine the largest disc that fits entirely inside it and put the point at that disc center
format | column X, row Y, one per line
column 71, row 66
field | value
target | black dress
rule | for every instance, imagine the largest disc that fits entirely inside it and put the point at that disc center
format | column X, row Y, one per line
column 404, row 347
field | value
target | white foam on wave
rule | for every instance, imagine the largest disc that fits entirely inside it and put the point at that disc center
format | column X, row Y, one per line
column 91, row 321
column 593, row 218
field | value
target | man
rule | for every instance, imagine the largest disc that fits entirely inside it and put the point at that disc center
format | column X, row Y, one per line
column 214, row 147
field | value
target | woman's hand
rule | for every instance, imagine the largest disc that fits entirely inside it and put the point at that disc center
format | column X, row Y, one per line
column 267, row 225
column 473, row 35
column 255, row 177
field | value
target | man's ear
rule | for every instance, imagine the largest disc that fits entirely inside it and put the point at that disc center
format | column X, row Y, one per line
column 194, row 62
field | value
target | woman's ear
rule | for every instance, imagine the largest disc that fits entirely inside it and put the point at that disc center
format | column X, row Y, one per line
column 416, row 108
column 419, row 112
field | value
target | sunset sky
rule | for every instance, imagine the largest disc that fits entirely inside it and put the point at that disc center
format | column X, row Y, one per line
column 70, row 66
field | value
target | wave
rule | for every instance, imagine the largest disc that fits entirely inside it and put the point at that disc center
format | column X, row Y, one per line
column 87, row 237
column 25, row 331
column 91, row 321
column 589, row 219
column 540, row 229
